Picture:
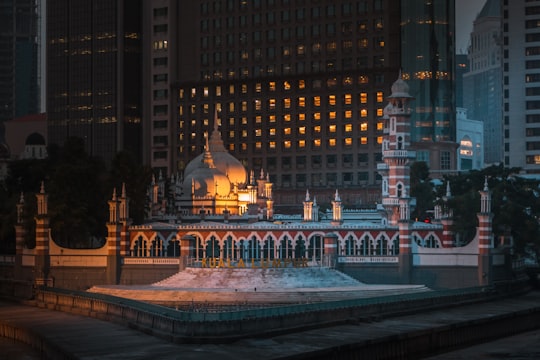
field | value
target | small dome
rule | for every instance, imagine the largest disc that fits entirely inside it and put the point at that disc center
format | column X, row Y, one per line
column 206, row 182
column 35, row 139
column 400, row 89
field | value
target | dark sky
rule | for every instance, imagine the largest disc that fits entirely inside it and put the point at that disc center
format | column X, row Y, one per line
column 466, row 11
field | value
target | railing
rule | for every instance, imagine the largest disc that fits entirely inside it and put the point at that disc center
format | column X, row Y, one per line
column 220, row 325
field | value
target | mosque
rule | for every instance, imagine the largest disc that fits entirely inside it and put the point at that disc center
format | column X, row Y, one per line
column 218, row 216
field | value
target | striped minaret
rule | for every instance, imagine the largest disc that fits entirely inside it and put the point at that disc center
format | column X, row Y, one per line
column 308, row 208
column 337, row 210
column 114, row 226
column 447, row 220
column 42, row 263
column 485, row 237
column 396, row 153
column 20, row 234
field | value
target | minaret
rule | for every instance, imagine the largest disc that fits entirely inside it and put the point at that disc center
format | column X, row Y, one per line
column 336, row 210
column 485, row 237
column 308, row 208
column 114, row 230
column 396, row 153
column 447, row 220
column 20, row 234
column 42, row 263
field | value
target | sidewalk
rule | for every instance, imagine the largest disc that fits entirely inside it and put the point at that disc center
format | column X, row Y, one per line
column 89, row 338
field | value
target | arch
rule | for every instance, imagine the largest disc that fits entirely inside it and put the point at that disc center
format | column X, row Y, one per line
column 365, row 246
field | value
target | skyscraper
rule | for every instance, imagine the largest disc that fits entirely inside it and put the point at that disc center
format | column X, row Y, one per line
column 19, row 90
column 482, row 84
column 94, row 74
column 521, row 84
column 428, row 62
column 300, row 86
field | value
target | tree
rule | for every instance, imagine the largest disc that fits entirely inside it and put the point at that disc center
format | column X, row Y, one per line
column 421, row 189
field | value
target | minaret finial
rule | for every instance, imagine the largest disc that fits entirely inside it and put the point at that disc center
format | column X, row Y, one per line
column 486, row 187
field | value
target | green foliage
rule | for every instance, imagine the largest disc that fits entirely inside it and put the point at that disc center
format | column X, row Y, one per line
column 421, row 189
column 78, row 186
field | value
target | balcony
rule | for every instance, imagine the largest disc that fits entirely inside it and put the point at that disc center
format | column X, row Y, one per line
column 399, row 154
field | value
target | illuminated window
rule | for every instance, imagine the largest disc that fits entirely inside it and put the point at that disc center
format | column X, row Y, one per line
column 287, row 103
column 258, row 132
column 379, row 140
column 258, row 119
column 301, row 84
column 231, row 89
column 258, row 104
column 363, row 43
column 332, row 128
column 348, row 114
column 301, row 143
column 363, row 126
column 272, row 144
column 331, row 142
column 231, row 121
column 287, row 117
column 244, row 120
column 380, row 97
column 231, row 107
column 380, row 112
column 286, row 85
column 363, row 98
column 302, row 130
column 363, row 140
column 348, row 127
column 302, row 101
column 287, row 144
column 331, row 46
column 272, row 104
column 363, row 113
column 317, row 129
column 272, row 131
column 258, row 87
column 244, row 147
column 332, row 115
column 258, row 145
column 244, row 106
column 272, row 86
column 331, row 99
column 316, row 101
column 231, row 147
column 272, row 118
column 317, row 116
column 380, row 126
column 287, row 131
column 347, row 141
column 317, row 142
column 231, row 134
column 347, row 99
column 363, row 79
column 244, row 133
column 301, row 117
column 300, row 49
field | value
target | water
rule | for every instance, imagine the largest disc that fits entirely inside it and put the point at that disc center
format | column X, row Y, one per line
column 14, row 350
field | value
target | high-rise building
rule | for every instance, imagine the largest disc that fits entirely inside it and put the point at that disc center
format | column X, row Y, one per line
column 482, row 84
column 19, row 90
column 161, row 65
column 300, row 87
column 94, row 74
column 521, row 84
column 428, row 63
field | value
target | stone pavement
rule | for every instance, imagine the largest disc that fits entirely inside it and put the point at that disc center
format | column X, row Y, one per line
column 90, row 338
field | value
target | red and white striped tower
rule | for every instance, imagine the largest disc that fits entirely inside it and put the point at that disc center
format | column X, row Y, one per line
column 42, row 263
column 113, row 240
column 395, row 170
column 447, row 220
column 485, row 237
column 20, row 234
column 125, row 221
column 395, row 149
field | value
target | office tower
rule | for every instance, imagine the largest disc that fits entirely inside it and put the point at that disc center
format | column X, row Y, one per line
column 160, row 63
column 462, row 67
column 299, row 88
column 427, row 58
column 521, row 84
column 94, row 74
column 19, row 90
column 482, row 84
